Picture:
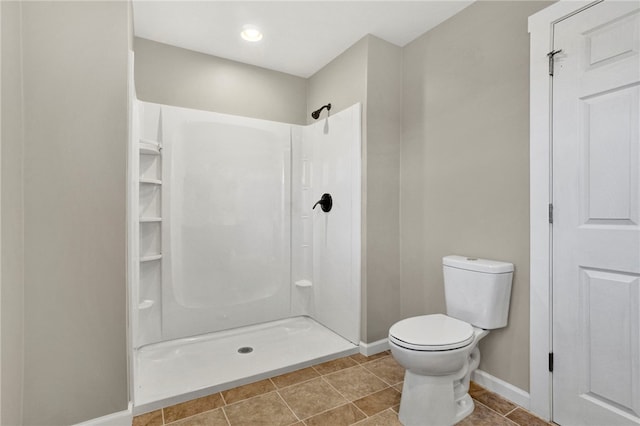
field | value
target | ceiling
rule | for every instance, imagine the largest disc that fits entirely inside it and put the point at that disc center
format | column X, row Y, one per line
column 300, row 37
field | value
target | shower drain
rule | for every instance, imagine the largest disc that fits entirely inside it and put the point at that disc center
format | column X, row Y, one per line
column 245, row 350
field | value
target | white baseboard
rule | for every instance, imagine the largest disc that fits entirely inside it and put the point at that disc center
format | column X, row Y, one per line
column 368, row 349
column 122, row 418
column 502, row 388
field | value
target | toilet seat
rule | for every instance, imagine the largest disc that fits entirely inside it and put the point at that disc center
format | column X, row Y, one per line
column 435, row 332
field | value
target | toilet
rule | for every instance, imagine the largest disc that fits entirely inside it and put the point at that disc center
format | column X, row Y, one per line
column 439, row 352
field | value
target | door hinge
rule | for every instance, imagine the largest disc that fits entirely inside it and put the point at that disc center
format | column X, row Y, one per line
column 550, row 213
column 550, row 55
column 551, row 362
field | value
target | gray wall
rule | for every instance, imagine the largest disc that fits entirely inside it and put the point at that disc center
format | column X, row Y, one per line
column 382, row 195
column 465, row 164
column 342, row 82
column 75, row 136
column 170, row 75
column 369, row 72
column 12, row 298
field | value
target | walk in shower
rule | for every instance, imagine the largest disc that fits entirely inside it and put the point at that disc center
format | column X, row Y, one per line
column 234, row 276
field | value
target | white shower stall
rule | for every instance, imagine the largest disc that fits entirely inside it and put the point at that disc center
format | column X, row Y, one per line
column 234, row 277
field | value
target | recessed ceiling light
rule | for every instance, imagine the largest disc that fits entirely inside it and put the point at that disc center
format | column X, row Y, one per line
column 251, row 33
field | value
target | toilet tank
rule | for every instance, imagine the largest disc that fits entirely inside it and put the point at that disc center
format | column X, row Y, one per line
column 477, row 291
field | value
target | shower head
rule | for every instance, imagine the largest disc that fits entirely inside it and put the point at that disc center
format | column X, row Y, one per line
column 316, row 114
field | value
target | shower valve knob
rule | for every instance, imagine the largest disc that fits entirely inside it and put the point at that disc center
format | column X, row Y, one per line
column 326, row 202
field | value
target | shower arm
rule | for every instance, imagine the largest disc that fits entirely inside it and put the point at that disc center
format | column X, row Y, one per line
column 316, row 114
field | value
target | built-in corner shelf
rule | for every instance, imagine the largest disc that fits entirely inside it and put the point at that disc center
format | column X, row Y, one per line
column 303, row 283
column 151, row 258
column 150, row 219
column 145, row 304
column 150, row 147
column 151, row 181
column 147, row 253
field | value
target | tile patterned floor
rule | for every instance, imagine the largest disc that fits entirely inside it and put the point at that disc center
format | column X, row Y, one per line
column 359, row 390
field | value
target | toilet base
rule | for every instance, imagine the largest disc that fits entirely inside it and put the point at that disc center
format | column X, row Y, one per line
column 434, row 400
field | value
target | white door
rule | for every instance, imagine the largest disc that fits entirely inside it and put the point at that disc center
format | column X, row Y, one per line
column 596, row 227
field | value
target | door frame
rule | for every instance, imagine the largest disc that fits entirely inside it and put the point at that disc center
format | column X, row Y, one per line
column 541, row 27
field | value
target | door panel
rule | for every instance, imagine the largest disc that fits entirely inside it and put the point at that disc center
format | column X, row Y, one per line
column 596, row 229
column 609, row 162
column 609, row 298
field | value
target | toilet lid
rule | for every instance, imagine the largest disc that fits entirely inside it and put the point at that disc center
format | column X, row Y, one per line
column 431, row 333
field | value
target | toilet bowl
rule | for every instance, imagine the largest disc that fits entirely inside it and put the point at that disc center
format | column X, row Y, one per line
column 439, row 352
column 434, row 345
column 438, row 368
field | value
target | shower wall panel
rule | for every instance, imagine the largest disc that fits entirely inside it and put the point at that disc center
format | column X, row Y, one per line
column 226, row 238
column 333, row 148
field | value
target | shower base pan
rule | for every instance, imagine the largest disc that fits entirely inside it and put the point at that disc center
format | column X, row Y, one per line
column 176, row 371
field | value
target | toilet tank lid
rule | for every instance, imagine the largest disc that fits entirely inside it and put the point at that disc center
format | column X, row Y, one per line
column 477, row 265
